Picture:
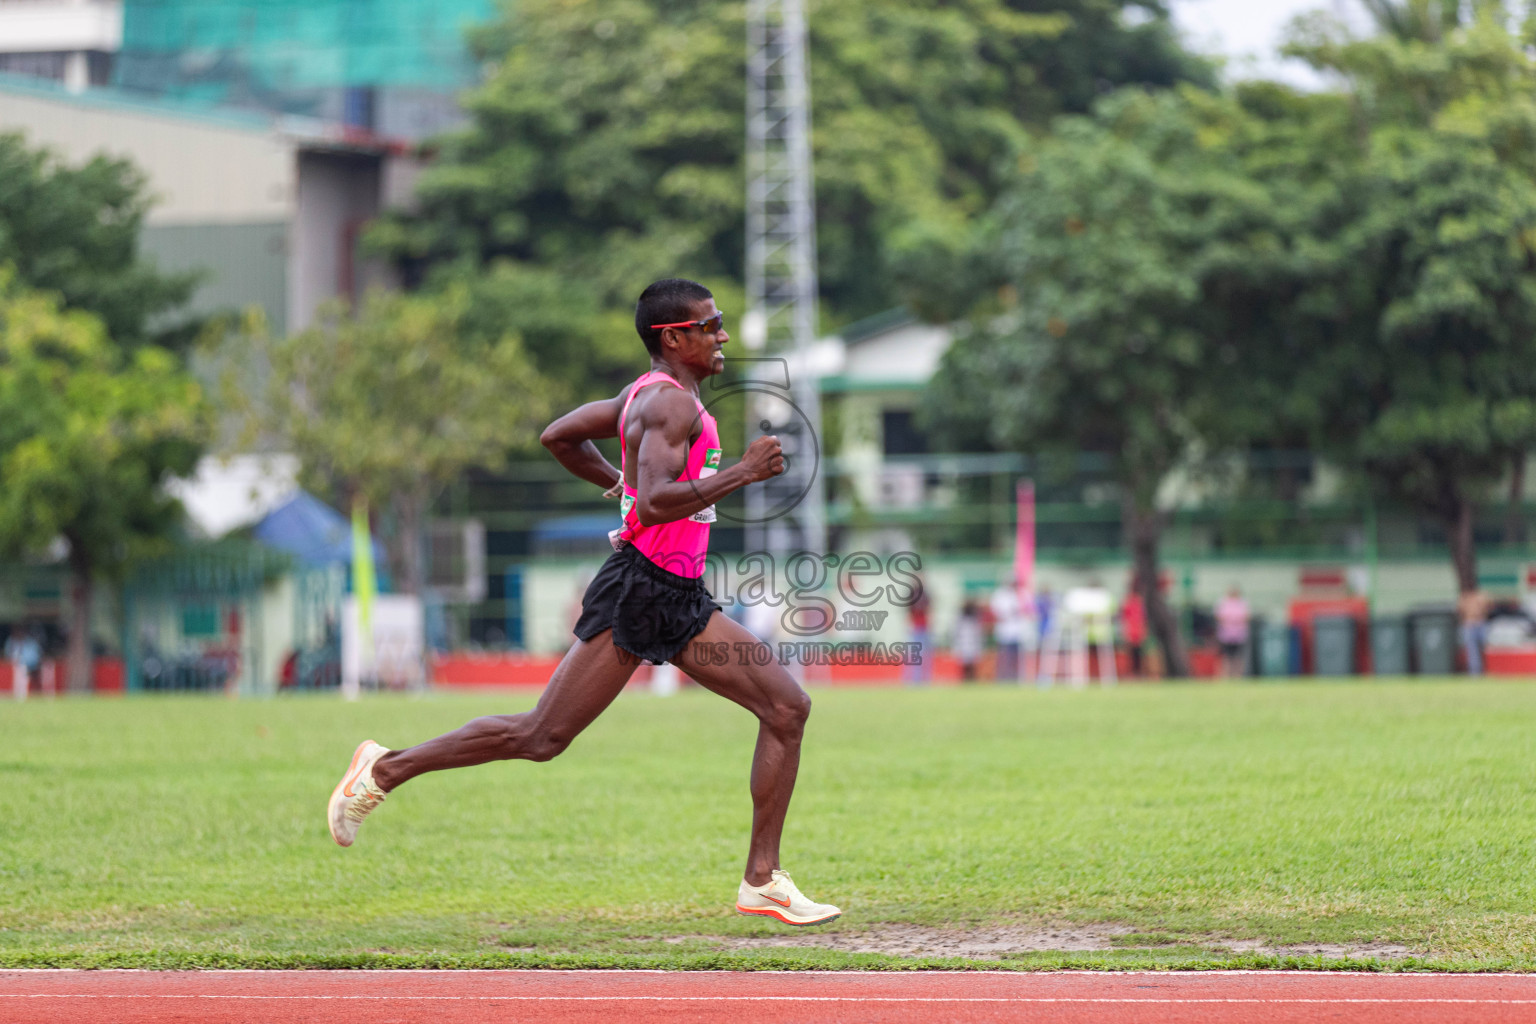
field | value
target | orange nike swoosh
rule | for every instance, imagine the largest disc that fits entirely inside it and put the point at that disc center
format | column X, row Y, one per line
column 352, row 772
column 775, row 899
column 349, row 791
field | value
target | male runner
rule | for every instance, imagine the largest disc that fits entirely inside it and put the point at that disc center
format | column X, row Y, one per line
column 648, row 601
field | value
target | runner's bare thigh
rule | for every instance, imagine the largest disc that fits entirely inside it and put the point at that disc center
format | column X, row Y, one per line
column 589, row 677
column 758, row 688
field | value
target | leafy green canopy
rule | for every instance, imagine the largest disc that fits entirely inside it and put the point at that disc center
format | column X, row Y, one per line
column 1126, row 248
column 75, row 231
column 606, row 150
column 377, row 399
column 1192, row 273
column 1422, row 303
column 88, row 435
column 391, row 401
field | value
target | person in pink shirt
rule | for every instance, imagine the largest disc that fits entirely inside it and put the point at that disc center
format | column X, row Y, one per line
column 1232, row 633
column 648, row 602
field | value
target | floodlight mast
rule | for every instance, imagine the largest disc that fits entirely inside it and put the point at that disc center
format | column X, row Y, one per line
column 781, row 275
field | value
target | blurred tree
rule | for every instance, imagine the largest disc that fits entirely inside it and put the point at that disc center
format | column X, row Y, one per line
column 88, row 436
column 1423, row 20
column 389, row 403
column 581, row 348
column 1145, row 250
column 1420, row 315
column 74, row 231
column 606, row 149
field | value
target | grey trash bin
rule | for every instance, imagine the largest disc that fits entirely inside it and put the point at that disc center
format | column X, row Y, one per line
column 1434, row 642
column 1333, row 646
column 1389, row 645
column 1274, row 650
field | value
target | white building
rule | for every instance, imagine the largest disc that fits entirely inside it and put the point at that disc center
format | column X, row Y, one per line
column 68, row 41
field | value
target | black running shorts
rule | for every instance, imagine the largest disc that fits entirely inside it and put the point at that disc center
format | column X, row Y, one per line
column 653, row 613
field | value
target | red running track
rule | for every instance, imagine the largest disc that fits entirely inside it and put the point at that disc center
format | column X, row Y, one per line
column 652, row 997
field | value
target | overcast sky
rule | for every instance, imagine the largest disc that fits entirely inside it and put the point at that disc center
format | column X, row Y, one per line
column 1248, row 32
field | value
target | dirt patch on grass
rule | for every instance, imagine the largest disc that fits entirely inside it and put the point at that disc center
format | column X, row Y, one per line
column 1379, row 950
column 984, row 943
column 918, row 940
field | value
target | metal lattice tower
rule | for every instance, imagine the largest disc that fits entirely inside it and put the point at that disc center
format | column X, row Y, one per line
column 788, row 512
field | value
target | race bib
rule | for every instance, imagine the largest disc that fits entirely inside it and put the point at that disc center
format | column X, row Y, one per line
column 710, row 468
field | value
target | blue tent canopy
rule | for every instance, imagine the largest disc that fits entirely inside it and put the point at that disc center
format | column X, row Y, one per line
column 311, row 531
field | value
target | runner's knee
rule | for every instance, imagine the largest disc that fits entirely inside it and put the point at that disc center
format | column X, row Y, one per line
column 787, row 715
column 546, row 748
column 546, row 744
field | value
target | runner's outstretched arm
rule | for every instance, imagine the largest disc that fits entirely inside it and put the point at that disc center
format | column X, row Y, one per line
column 569, row 439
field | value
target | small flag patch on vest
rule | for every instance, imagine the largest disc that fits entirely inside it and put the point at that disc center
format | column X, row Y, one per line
column 712, row 458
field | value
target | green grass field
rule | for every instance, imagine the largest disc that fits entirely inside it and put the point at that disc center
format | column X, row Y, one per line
column 185, row 832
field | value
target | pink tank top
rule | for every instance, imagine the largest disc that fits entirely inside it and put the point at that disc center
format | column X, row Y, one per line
column 679, row 546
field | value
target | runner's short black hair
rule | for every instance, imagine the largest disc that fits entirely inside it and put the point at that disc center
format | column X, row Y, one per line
column 666, row 302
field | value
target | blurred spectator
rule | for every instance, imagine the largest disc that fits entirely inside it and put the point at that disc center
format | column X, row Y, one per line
column 1007, row 629
column 917, row 615
column 1099, row 626
column 435, row 623
column 968, row 639
column 1045, row 608
column 25, row 652
column 1133, row 626
column 1232, row 633
column 1472, row 614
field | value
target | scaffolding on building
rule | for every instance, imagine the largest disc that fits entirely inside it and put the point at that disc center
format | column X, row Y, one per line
column 340, row 60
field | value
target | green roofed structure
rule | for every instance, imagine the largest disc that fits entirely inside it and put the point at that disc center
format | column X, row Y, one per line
column 387, row 66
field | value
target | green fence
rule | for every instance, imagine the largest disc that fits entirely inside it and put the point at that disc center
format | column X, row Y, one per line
column 195, row 620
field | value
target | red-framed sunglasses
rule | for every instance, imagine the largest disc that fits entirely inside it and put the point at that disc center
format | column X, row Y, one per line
column 711, row 326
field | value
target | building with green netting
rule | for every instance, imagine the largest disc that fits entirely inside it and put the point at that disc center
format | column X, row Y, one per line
column 390, row 66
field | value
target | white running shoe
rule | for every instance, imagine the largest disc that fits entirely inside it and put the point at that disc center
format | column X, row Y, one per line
column 780, row 900
column 356, row 794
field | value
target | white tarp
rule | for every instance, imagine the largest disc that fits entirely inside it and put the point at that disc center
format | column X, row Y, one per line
column 393, row 661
